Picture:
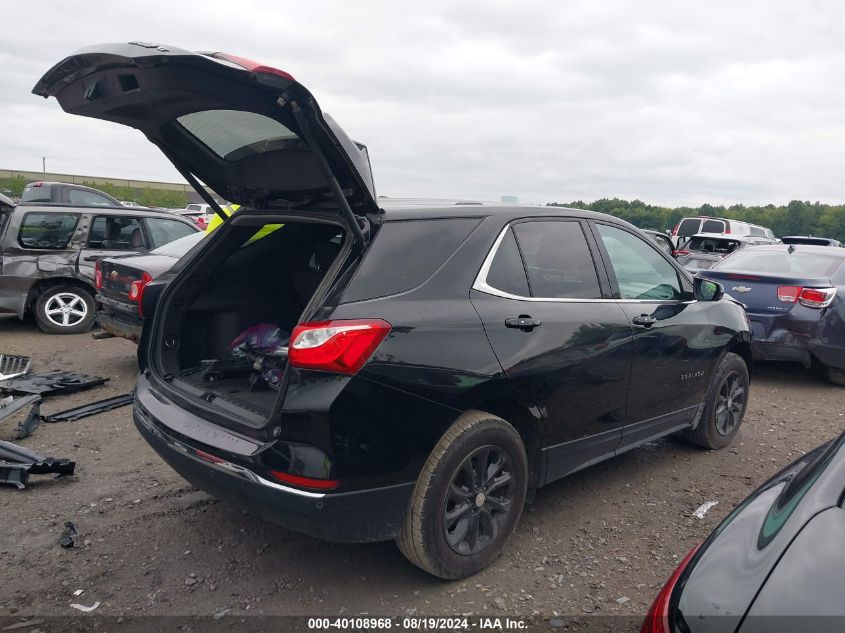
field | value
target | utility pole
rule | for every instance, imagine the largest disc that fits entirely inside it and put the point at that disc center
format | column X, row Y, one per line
column 44, row 164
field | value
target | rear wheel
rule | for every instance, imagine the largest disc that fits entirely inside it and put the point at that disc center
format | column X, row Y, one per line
column 65, row 309
column 725, row 405
column 468, row 498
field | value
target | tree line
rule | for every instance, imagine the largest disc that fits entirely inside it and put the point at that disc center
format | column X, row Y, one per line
column 795, row 218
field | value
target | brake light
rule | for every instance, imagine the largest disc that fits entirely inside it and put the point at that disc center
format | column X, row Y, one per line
column 98, row 276
column 680, row 252
column 305, row 482
column 657, row 619
column 727, row 230
column 338, row 346
column 136, row 290
column 817, row 297
column 253, row 66
column 788, row 294
column 675, row 230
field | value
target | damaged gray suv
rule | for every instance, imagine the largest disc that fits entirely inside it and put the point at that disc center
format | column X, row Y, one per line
column 48, row 253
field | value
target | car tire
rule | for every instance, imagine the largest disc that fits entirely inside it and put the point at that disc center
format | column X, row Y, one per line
column 65, row 309
column 449, row 505
column 836, row 375
column 724, row 406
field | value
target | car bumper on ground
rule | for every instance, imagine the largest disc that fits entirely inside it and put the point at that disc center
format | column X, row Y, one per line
column 359, row 516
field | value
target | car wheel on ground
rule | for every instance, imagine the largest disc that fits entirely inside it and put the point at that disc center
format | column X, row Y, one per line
column 724, row 407
column 836, row 376
column 65, row 309
column 468, row 498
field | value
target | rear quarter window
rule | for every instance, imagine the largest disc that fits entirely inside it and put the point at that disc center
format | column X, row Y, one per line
column 404, row 254
column 49, row 231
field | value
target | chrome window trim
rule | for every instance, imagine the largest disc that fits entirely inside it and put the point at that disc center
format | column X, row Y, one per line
column 481, row 284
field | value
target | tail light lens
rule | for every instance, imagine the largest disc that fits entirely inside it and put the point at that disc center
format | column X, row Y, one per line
column 98, row 276
column 680, row 252
column 338, row 346
column 817, row 297
column 657, row 619
column 136, row 290
column 675, row 230
column 809, row 297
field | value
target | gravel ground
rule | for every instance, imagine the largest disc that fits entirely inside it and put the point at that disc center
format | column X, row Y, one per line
column 602, row 541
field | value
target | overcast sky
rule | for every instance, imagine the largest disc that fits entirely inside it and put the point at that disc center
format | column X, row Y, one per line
column 670, row 102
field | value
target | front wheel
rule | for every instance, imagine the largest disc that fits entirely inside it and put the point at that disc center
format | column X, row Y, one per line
column 468, row 498
column 836, row 375
column 65, row 309
column 725, row 405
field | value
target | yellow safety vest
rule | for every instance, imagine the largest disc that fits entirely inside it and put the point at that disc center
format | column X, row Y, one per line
column 216, row 221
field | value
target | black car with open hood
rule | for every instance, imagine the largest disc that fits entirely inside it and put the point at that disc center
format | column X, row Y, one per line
column 250, row 132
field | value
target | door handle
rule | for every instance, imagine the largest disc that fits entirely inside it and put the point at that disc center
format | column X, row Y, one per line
column 644, row 320
column 92, row 258
column 523, row 322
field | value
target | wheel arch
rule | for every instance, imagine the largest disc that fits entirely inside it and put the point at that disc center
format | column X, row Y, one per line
column 43, row 285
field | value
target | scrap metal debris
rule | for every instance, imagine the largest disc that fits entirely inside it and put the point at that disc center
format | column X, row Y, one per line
column 51, row 383
column 703, row 508
column 92, row 408
column 70, row 539
column 12, row 366
column 85, row 609
column 10, row 405
column 18, row 463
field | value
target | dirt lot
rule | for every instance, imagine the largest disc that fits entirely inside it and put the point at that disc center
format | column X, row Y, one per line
column 155, row 545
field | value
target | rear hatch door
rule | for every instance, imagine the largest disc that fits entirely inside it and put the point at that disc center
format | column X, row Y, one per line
column 250, row 132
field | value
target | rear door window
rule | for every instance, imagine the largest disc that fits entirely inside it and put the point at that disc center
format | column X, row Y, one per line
column 116, row 233
column 88, row 199
column 713, row 226
column 641, row 272
column 51, row 231
column 557, row 260
column 406, row 253
column 507, row 272
column 163, row 231
column 688, row 227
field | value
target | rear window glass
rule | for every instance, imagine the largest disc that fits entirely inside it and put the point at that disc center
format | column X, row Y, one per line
column 712, row 245
column 404, row 254
column 179, row 247
column 780, row 262
column 32, row 193
column 689, row 227
column 234, row 134
column 50, row 231
column 163, row 231
column 713, row 226
column 757, row 231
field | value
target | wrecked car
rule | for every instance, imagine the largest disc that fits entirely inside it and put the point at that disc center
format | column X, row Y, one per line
column 48, row 252
column 120, row 283
column 375, row 372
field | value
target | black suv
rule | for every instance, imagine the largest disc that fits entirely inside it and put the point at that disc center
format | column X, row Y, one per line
column 368, row 372
column 48, row 254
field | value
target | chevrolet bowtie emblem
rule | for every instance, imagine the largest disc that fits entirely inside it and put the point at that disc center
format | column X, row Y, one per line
column 741, row 288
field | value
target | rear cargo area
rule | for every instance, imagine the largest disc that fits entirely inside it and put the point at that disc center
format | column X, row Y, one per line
column 226, row 327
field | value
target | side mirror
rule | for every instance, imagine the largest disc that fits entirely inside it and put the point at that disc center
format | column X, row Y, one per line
column 706, row 290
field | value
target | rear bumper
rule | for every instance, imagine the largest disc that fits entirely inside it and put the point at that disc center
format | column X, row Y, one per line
column 787, row 346
column 374, row 514
column 125, row 325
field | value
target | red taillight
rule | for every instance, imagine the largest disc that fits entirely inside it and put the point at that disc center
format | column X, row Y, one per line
column 675, row 230
column 727, row 230
column 305, row 482
column 98, row 276
column 339, row 346
column 253, row 66
column 657, row 619
column 680, row 252
column 817, row 297
column 136, row 290
column 788, row 294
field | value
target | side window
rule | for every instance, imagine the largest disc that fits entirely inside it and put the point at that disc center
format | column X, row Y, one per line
column 557, row 260
column 164, row 231
column 47, row 230
column 116, row 233
column 88, row 199
column 641, row 272
column 506, row 271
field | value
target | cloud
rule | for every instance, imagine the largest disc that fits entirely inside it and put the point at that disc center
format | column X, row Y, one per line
column 669, row 102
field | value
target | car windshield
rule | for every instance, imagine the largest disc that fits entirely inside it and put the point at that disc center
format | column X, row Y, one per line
column 781, row 262
column 179, row 247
